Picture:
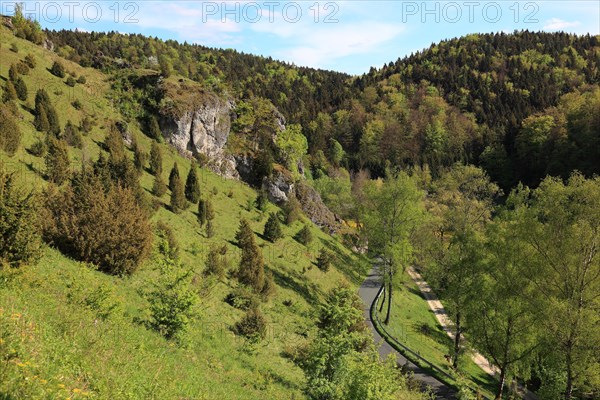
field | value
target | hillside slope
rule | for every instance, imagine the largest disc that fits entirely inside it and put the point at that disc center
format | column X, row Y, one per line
column 69, row 331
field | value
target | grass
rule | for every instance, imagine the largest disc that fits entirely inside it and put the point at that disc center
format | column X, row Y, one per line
column 414, row 325
column 54, row 341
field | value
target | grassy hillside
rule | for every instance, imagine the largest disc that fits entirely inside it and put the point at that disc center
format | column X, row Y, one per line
column 69, row 331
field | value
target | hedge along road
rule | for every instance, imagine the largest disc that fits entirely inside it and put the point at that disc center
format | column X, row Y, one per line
column 368, row 292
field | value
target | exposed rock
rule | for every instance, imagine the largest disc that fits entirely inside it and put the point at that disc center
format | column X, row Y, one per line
column 278, row 187
column 203, row 129
column 48, row 44
column 315, row 209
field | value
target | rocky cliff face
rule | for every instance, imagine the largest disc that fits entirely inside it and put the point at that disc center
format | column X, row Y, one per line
column 201, row 125
column 204, row 129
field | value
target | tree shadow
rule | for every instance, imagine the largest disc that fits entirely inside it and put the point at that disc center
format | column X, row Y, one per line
column 343, row 262
column 295, row 281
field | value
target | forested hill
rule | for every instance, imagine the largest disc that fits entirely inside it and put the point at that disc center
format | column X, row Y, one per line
column 298, row 92
column 501, row 78
column 520, row 105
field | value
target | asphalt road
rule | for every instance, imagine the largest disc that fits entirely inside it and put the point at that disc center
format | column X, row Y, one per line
column 368, row 292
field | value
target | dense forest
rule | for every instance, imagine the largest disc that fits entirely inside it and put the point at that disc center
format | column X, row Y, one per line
column 475, row 160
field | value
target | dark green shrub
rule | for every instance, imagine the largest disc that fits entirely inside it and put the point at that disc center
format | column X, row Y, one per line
column 324, row 260
column 242, row 299
column 273, row 228
column 97, row 224
column 58, row 69
column 20, row 241
column 252, row 326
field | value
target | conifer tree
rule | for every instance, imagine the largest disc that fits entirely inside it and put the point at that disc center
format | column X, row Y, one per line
column 10, row 93
column 192, row 185
column 156, row 163
column 58, row 69
column 178, row 201
column 244, row 234
column 305, row 236
column 273, row 228
column 173, row 175
column 210, row 228
column 72, row 135
column 44, row 106
column 139, row 156
column 13, row 74
column 114, row 143
column 21, row 89
column 10, row 134
column 19, row 223
column 159, row 188
column 154, row 129
column 202, row 212
column 215, row 262
column 41, row 120
column 251, row 270
column 57, row 161
column 324, row 260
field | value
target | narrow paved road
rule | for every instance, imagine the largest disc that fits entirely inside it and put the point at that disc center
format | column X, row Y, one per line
column 368, row 292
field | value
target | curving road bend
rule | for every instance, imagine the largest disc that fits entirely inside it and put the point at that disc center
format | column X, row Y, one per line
column 368, row 292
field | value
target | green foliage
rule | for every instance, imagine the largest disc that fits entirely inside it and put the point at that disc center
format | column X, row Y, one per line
column 216, row 262
column 192, row 185
column 72, row 135
column 273, row 230
column 156, row 162
column 46, row 117
column 10, row 134
column 178, row 201
column 261, row 200
column 159, row 188
column 70, row 81
column 242, row 299
column 57, row 161
column 92, row 223
column 336, row 153
column 154, row 131
column 14, row 48
column 58, row 69
column 292, row 145
column 324, row 259
column 38, row 148
column 86, row 124
column 253, row 325
column 304, row 236
column 171, row 298
column 113, row 142
column 30, row 61
column 292, row 210
column 139, row 157
column 251, row 270
column 168, row 245
column 26, row 28
column 342, row 333
column 9, row 93
column 20, row 241
column 166, row 69
column 173, row 176
column 82, row 80
column 21, row 89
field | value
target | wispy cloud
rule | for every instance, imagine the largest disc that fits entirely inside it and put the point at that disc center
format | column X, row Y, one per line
column 556, row 24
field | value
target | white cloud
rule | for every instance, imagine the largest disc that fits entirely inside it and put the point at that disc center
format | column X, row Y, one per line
column 321, row 45
column 556, row 24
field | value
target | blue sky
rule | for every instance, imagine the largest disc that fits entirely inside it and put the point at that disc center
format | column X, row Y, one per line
column 348, row 36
